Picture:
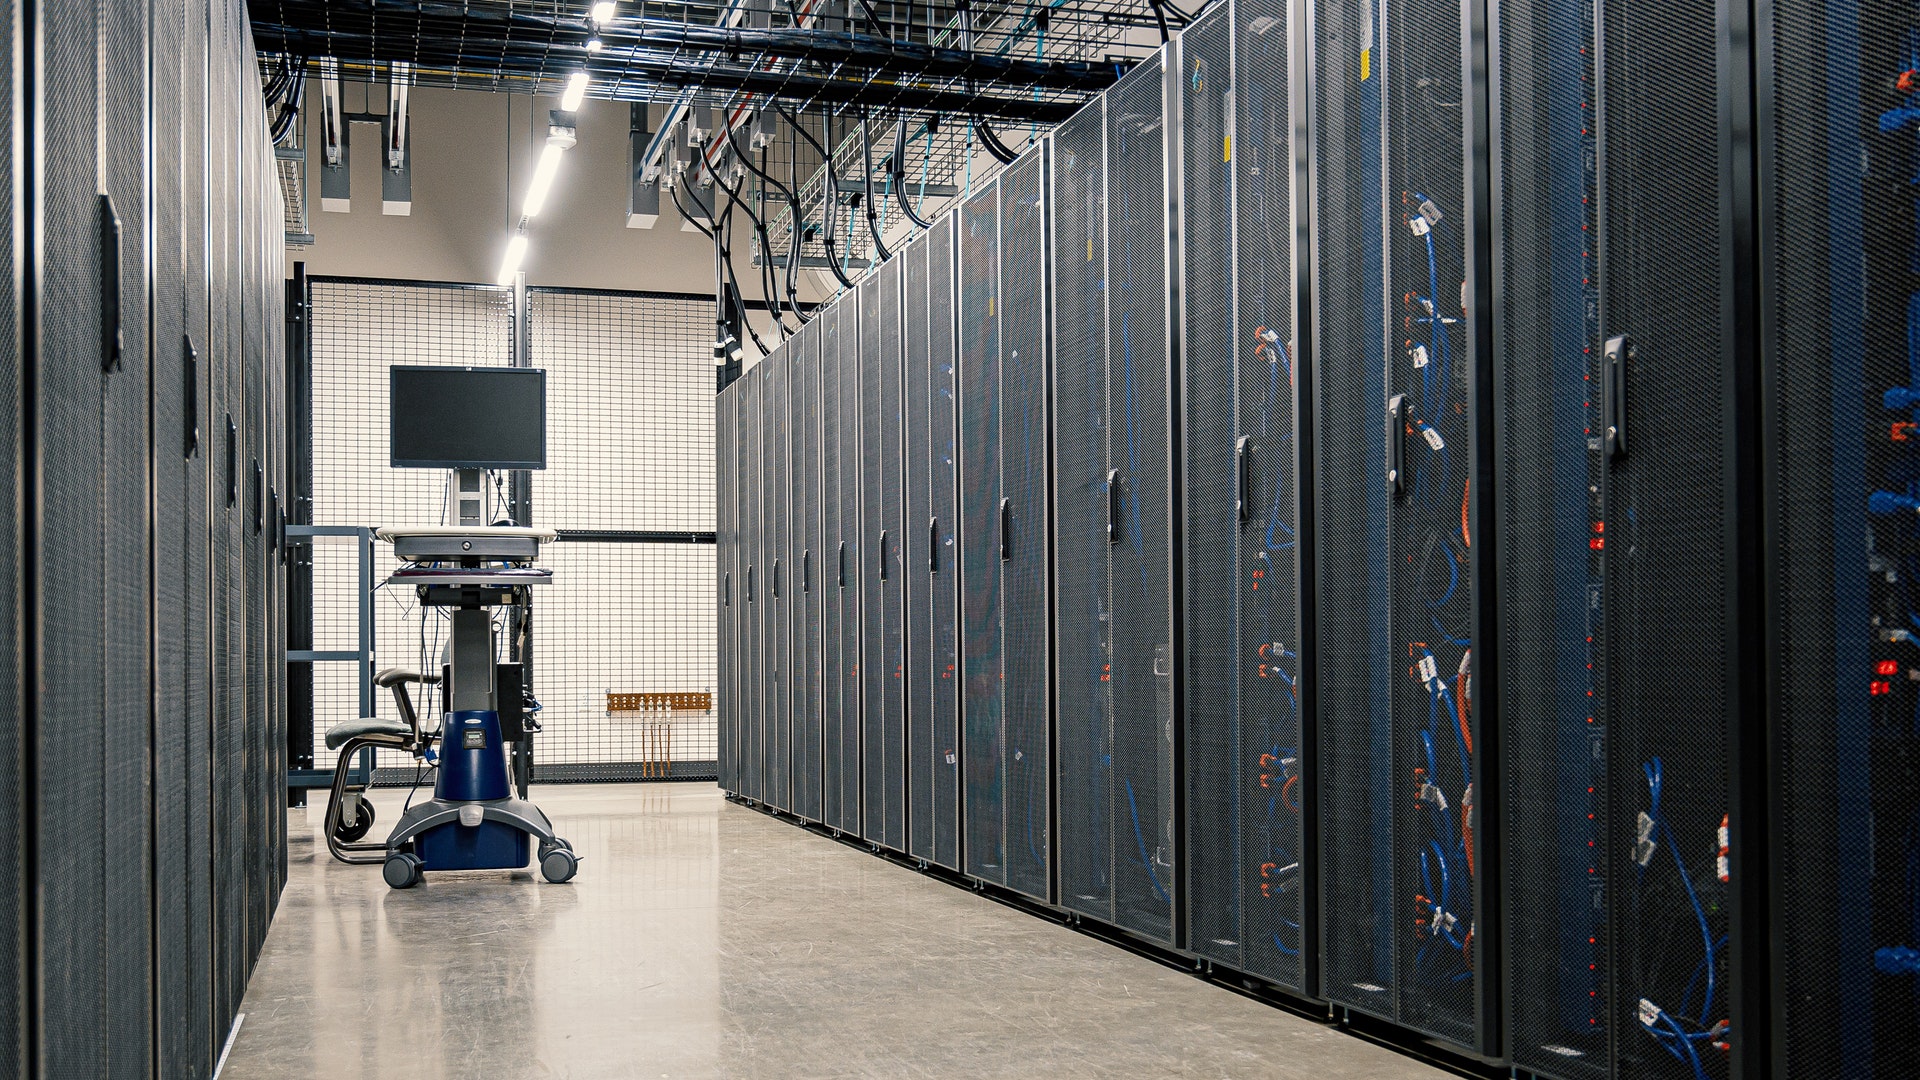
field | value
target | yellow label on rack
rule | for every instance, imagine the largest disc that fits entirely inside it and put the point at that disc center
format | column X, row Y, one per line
column 1366, row 64
column 1226, row 152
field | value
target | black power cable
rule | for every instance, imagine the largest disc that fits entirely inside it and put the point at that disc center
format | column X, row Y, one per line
column 829, row 202
column 866, row 176
column 992, row 142
column 793, row 213
column 766, row 247
column 899, row 170
column 721, row 246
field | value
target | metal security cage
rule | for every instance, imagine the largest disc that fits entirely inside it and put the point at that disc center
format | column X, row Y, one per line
column 630, row 488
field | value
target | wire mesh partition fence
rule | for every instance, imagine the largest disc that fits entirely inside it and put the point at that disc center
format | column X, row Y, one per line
column 623, row 649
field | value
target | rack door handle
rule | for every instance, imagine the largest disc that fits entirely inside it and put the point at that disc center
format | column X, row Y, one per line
column 806, row 570
column 776, row 579
column 840, row 569
column 1243, row 485
column 933, row 545
column 1113, row 506
column 726, row 589
column 259, row 495
column 1613, row 392
column 749, row 583
column 190, row 364
column 1396, row 445
column 1006, row 530
column 233, row 463
column 882, row 555
column 113, row 337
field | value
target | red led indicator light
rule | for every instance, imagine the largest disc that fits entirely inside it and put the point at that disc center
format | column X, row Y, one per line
column 1879, row 686
column 1887, row 667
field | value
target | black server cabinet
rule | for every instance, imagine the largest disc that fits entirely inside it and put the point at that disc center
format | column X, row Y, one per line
column 932, row 559
column 1625, row 696
column 776, row 505
column 840, row 612
column 1394, row 582
column 803, row 547
column 1113, row 622
column 1841, row 305
column 882, row 665
column 753, row 652
column 726, row 481
column 1247, row 747
column 71, row 390
column 850, row 572
column 1003, row 369
column 202, row 510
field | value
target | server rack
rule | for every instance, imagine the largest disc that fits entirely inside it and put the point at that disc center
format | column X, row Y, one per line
column 753, row 655
column 983, row 755
column 840, row 710
column 849, row 553
column 804, row 589
column 882, row 609
column 1837, row 316
column 1395, row 587
column 1249, row 789
column 1625, row 683
column 1112, row 453
column 1004, row 376
column 726, row 477
column 777, row 418
column 931, row 555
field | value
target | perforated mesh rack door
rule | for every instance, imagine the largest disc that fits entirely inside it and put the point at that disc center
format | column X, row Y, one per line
column 1842, row 466
column 14, row 1017
column 853, row 723
column 804, row 555
column 1638, row 980
column 1083, row 571
column 726, row 480
column 927, row 679
column 1025, row 373
column 777, row 734
column 983, row 743
column 1219, row 809
column 1553, row 731
column 753, row 548
column 891, row 676
column 1246, row 755
column 840, row 711
column 73, row 992
column 1356, row 773
column 883, row 757
column 1394, row 643
column 942, row 670
column 1139, row 458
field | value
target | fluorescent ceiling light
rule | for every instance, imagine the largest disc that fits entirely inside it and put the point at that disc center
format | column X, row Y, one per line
column 593, row 44
column 576, row 92
column 516, row 250
column 603, row 11
column 542, row 180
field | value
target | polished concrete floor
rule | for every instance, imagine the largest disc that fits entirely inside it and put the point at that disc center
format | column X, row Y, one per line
column 702, row 939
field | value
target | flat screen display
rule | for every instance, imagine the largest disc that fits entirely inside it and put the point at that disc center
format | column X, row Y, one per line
column 468, row 418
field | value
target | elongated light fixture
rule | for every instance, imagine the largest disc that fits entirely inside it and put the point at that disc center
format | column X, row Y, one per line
column 603, row 12
column 543, row 174
column 516, row 251
column 576, row 92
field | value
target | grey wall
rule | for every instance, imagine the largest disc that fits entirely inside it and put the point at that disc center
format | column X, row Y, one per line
column 465, row 202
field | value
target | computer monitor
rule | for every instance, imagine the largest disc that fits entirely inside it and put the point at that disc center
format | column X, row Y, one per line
column 468, row 418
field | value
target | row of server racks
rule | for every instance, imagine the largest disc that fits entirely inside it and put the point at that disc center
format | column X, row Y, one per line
column 1414, row 503
column 142, row 627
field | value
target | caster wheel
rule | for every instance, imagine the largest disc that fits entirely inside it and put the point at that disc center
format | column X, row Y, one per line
column 402, row 870
column 559, row 865
column 362, row 825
